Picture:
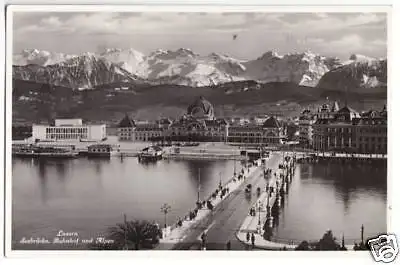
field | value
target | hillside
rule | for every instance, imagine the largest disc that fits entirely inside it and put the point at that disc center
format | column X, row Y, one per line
column 33, row 102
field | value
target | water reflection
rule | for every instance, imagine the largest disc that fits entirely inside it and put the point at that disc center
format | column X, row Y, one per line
column 42, row 173
column 334, row 196
column 92, row 194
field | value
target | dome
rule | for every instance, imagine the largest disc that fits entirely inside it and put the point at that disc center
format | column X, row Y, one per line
column 201, row 109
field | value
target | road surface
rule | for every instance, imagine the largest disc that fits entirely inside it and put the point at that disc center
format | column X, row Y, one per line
column 223, row 223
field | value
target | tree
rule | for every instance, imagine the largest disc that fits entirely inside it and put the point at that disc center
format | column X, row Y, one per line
column 133, row 235
column 327, row 242
column 303, row 246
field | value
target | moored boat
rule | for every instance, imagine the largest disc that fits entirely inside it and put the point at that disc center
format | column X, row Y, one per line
column 102, row 150
column 151, row 153
column 53, row 151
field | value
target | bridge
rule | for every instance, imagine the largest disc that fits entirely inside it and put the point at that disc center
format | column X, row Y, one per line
column 230, row 214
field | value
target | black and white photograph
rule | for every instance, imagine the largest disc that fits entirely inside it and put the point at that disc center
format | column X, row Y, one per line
column 200, row 130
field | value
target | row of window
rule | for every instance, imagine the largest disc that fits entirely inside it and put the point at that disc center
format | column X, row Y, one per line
column 363, row 147
column 66, row 130
column 373, row 130
column 148, row 129
column 66, row 136
column 373, row 139
column 361, row 139
column 100, row 150
column 372, row 122
column 253, row 140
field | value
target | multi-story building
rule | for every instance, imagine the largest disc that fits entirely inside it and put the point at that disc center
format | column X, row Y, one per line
column 371, row 132
column 200, row 124
column 327, row 112
column 189, row 128
column 271, row 132
column 346, row 130
column 126, row 129
column 148, row 131
column 305, row 123
column 69, row 130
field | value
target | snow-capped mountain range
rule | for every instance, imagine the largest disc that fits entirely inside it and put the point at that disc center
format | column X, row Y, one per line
column 80, row 72
column 185, row 67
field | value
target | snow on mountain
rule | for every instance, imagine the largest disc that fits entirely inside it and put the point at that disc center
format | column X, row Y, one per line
column 42, row 58
column 185, row 67
column 81, row 72
column 358, row 72
column 359, row 58
column 301, row 68
column 129, row 59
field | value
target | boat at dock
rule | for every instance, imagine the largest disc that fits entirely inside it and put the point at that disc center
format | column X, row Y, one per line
column 151, row 153
column 102, row 150
column 48, row 151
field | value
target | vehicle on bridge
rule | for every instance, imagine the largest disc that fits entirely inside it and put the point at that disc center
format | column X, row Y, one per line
column 248, row 189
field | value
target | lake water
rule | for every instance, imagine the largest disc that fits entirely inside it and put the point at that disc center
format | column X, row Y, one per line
column 337, row 197
column 88, row 195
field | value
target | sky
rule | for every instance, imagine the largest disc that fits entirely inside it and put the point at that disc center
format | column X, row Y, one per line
column 329, row 34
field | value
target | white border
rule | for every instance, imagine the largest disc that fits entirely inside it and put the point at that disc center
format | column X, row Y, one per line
column 272, row 256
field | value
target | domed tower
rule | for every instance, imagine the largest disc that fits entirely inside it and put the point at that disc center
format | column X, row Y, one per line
column 201, row 109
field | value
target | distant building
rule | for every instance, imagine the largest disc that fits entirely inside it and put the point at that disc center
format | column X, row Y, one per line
column 126, row 129
column 327, row 112
column 69, row 130
column 347, row 130
column 148, row 131
column 305, row 123
column 129, row 130
column 271, row 132
column 371, row 133
column 200, row 124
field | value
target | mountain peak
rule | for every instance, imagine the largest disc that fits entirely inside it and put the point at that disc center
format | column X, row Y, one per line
column 88, row 54
column 360, row 58
column 30, row 51
column 111, row 50
column 270, row 55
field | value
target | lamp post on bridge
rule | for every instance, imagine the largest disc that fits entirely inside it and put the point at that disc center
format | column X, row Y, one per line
column 198, row 187
column 165, row 208
column 362, row 234
column 220, row 180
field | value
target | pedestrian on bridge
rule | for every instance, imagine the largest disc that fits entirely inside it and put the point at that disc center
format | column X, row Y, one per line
column 253, row 239
column 228, row 245
column 247, row 236
column 203, row 240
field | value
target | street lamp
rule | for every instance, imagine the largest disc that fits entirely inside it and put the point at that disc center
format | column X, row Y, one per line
column 125, row 234
column 165, row 209
column 362, row 233
column 220, row 180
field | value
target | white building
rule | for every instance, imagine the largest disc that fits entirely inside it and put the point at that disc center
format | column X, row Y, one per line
column 69, row 130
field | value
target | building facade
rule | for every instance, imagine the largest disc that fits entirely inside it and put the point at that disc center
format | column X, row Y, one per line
column 200, row 124
column 126, row 129
column 271, row 132
column 69, row 130
column 371, row 132
column 347, row 131
column 305, row 123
